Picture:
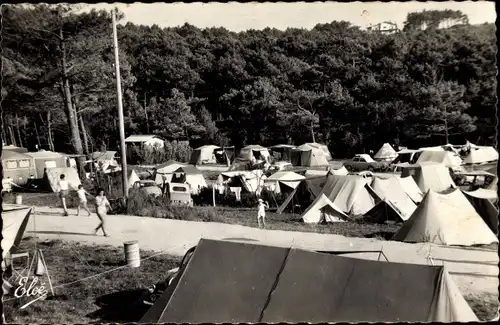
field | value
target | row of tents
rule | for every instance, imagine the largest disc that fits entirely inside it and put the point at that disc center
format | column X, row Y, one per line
column 425, row 200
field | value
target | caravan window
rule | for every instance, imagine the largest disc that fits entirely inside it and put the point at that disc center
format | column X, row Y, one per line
column 50, row 164
column 24, row 163
column 11, row 164
column 179, row 189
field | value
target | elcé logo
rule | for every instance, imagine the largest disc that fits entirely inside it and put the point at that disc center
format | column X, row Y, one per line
column 32, row 290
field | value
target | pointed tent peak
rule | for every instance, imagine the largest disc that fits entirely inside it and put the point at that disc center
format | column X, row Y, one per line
column 317, row 211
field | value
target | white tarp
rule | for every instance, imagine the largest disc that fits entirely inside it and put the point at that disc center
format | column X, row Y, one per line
column 411, row 188
column 322, row 209
column 446, row 219
column 429, row 175
column 386, row 152
column 349, row 193
column 164, row 171
column 390, row 189
column 479, row 155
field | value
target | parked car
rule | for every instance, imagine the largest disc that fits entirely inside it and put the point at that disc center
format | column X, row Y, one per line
column 179, row 194
column 149, row 187
column 365, row 162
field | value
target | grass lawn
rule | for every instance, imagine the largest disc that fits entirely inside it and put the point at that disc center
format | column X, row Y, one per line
column 106, row 298
column 113, row 296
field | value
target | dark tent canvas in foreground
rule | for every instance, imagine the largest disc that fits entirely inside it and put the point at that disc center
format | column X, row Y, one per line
column 231, row 282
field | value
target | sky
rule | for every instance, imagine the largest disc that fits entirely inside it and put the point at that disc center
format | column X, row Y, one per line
column 243, row 16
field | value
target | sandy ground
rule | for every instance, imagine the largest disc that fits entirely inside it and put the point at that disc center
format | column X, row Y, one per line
column 474, row 270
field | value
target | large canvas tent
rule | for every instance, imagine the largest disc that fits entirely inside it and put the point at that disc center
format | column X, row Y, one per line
column 286, row 179
column 282, row 151
column 234, row 282
column 429, row 175
column 308, row 156
column 350, row 193
column 411, row 188
column 19, row 167
column 390, row 189
column 52, row 178
column 14, row 219
column 386, row 153
column 190, row 175
column 446, row 219
column 480, row 155
column 164, row 172
column 323, row 147
column 323, row 210
column 209, row 154
column 484, row 201
column 47, row 159
column 253, row 152
column 447, row 158
column 251, row 181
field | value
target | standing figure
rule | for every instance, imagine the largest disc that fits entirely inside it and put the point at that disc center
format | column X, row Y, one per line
column 63, row 192
column 261, row 213
column 102, row 205
column 83, row 200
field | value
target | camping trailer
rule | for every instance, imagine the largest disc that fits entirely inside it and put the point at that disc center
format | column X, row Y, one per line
column 20, row 167
column 45, row 159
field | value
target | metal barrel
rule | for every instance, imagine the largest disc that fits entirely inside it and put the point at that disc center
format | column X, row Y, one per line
column 132, row 254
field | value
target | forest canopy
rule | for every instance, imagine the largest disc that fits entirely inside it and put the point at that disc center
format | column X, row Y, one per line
column 336, row 83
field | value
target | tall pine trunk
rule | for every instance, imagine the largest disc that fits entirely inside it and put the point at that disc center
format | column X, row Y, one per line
column 19, row 132
column 84, row 134
column 76, row 140
column 49, row 132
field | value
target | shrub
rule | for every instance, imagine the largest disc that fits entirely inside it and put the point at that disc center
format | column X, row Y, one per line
column 178, row 150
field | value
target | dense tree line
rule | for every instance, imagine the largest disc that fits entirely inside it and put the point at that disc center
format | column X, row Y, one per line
column 335, row 84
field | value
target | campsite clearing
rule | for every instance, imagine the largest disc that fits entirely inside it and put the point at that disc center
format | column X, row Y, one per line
column 102, row 299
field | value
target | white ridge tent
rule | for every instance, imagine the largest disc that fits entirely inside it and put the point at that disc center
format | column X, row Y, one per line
column 429, row 175
column 323, row 210
column 132, row 178
column 447, row 158
column 283, row 178
column 480, row 155
column 164, row 172
column 350, row 193
column 446, row 219
column 386, row 152
column 390, row 189
column 14, row 219
column 411, row 188
column 190, row 175
column 323, row 147
column 308, row 156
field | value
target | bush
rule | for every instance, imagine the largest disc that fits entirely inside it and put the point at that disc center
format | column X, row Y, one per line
column 178, row 150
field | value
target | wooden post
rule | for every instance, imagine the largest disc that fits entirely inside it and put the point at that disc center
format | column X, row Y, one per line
column 213, row 195
column 120, row 108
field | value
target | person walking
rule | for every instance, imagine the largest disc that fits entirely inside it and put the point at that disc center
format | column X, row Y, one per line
column 82, row 197
column 63, row 187
column 102, row 205
column 261, row 212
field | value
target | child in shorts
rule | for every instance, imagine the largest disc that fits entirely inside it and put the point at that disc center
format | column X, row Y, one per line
column 83, row 200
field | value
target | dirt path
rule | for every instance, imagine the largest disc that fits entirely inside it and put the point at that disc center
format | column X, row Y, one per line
column 474, row 270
